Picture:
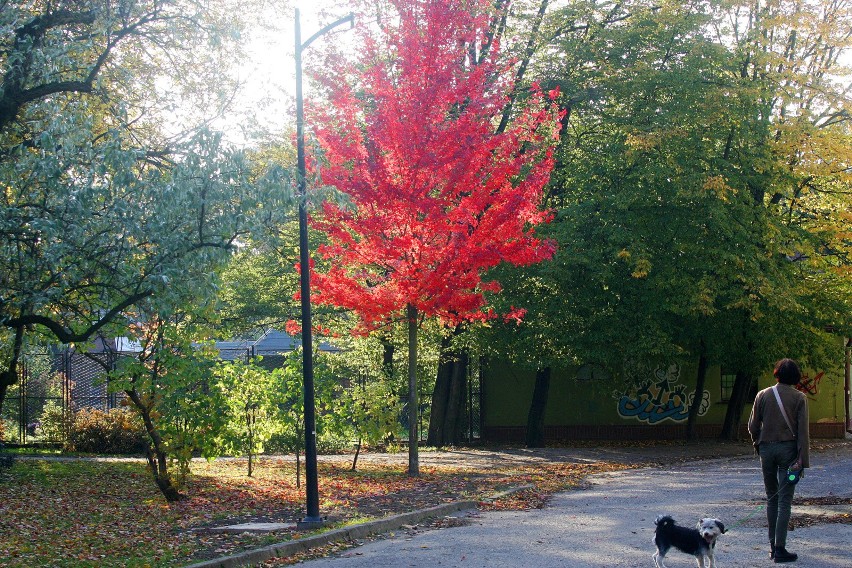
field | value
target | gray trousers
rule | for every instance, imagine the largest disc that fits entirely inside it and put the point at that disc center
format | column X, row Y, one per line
column 775, row 458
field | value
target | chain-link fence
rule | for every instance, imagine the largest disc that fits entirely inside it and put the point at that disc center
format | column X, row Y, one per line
column 50, row 384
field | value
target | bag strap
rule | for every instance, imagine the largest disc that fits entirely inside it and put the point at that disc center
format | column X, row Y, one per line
column 783, row 412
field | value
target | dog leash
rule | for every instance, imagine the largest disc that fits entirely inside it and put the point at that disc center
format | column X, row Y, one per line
column 759, row 507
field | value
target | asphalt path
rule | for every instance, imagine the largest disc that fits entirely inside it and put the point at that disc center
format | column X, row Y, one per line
column 611, row 522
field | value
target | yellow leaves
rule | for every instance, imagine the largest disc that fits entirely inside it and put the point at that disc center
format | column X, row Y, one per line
column 718, row 185
column 643, row 142
column 641, row 266
column 812, row 150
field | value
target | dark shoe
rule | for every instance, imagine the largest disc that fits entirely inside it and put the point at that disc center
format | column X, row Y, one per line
column 771, row 551
column 781, row 555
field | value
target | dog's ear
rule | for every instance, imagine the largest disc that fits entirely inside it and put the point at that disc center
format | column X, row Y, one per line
column 720, row 525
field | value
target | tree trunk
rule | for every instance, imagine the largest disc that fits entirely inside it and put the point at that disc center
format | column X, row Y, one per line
column 357, row 453
column 446, row 421
column 535, row 419
column 698, row 397
column 440, row 395
column 7, row 379
column 9, row 376
column 739, row 396
column 388, row 350
column 413, row 458
column 454, row 417
column 156, row 452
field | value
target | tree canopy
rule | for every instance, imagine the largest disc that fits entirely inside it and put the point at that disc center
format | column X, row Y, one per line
column 108, row 198
column 698, row 185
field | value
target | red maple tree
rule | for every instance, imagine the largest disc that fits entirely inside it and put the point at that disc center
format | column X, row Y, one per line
column 438, row 195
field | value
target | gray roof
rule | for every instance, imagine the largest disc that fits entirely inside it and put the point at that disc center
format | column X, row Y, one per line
column 272, row 341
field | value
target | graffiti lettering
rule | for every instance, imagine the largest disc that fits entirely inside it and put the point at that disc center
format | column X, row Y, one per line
column 661, row 398
column 810, row 385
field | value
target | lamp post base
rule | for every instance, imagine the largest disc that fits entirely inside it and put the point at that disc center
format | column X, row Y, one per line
column 308, row 523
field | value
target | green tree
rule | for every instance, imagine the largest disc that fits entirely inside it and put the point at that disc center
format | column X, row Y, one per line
column 168, row 382
column 369, row 405
column 289, row 400
column 250, row 404
column 102, row 208
column 673, row 241
column 788, row 56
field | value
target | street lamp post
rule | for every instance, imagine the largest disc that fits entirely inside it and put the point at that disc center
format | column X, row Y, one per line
column 311, row 479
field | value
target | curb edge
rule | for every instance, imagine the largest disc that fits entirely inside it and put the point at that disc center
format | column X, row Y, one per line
column 354, row 532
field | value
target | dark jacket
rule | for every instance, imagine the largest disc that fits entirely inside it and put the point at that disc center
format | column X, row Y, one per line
column 766, row 423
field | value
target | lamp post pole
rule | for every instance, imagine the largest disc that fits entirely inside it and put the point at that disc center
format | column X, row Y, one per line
column 311, row 479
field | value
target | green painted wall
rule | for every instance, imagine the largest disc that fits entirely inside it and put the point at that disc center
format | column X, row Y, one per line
column 580, row 396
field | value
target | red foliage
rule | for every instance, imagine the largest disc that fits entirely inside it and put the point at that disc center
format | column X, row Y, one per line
column 438, row 197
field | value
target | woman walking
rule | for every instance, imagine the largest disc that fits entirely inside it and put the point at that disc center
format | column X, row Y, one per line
column 778, row 426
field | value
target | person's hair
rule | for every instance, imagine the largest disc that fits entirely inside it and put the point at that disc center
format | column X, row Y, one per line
column 787, row 371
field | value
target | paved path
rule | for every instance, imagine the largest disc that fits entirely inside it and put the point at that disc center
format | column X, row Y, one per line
column 611, row 523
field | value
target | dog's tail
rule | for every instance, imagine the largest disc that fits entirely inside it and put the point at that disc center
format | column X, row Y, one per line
column 664, row 521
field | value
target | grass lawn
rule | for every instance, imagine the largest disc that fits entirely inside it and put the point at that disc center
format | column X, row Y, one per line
column 110, row 513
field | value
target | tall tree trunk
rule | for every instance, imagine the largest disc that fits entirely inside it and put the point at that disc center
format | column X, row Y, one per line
column 440, row 395
column 454, row 417
column 529, row 52
column 413, row 458
column 446, row 420
column 9, row 376
column 535, row 419
column 739, row 396
column 388, row 350
column 698, row 397
column 155, row 451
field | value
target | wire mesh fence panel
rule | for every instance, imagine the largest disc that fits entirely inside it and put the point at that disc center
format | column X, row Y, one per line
column 88, row 384
column 271, row 360
column 51, row 384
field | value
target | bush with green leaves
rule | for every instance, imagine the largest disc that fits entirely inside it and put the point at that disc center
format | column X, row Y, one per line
column 55, row 422
column 249, row 402
column 264, row 409
column 116, row 431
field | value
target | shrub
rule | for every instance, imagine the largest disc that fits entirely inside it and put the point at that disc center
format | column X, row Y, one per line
column 117, row 431
column 8, row 429
column 55, row 422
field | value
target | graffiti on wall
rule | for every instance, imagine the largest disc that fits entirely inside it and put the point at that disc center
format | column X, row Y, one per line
column 810, row 385
column 661, row 397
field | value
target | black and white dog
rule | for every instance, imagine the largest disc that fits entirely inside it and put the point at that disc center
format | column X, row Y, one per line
column 699, row 542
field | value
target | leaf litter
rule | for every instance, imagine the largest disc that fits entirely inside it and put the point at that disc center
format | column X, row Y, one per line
column 109, row 513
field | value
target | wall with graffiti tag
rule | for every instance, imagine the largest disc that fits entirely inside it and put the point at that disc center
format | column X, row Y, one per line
column 640, row 395
column 662, row 396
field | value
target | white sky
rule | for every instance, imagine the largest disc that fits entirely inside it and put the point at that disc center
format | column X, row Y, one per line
column 267, row 99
